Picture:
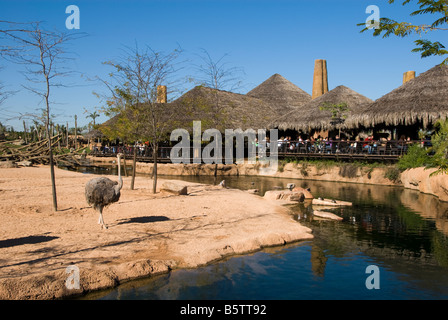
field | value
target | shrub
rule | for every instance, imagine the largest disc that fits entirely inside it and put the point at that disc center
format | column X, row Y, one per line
column 303, row 169
column 392, row 173
column 416, row 156
column 439, row 148
column 348, row 170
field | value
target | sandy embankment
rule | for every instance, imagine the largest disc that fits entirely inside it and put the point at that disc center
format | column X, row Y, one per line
column 147, row 233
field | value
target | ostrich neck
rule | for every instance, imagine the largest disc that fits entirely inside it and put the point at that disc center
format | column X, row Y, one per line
column 120, row 180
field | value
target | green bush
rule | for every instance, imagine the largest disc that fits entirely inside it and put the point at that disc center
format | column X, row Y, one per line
column 416, row 156
column 348, row 170
column 440, row 148
column 393, row 174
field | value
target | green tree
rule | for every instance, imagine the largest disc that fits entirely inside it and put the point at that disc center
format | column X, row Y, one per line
column 439, row 147
column 427, row 48
column 416, row 156
column 93, row 116
column 337, row 111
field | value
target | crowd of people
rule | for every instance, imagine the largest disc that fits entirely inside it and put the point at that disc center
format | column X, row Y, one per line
column 368, row 145
column 143, row 149
column 329, row 145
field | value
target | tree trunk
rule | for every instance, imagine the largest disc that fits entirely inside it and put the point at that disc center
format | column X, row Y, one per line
column 50, row 155
column 154, row 171
column 134, row 162
column 124, row 161
column 52, row 177
column 24, row 132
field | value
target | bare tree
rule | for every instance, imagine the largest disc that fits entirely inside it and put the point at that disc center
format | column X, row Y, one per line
column 138, row 74
column 44, row 57
column 218, row 75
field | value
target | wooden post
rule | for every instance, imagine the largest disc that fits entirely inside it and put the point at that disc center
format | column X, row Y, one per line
column 134, row 164
column 66, row 130
column 59, row 140
column 320, row 79
column 76, row 133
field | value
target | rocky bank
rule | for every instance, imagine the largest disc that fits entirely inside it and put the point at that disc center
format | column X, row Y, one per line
column 417, row 179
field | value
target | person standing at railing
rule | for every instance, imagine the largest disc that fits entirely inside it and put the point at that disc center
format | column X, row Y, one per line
column 368, row 144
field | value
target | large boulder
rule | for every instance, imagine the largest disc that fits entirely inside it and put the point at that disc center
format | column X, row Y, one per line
column 306, row 192
column 172, row 187
column 24, row 163
column 284, row 195
column 327, row 215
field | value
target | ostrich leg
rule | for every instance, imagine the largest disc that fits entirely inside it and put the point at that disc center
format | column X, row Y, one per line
column 100, row 220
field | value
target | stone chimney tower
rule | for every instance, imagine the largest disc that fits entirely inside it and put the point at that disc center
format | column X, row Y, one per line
column 320, row 79
column 161, row 94
column 408, row 75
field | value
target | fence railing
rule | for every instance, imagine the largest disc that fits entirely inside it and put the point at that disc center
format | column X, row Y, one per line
column 373, row 147
column 391, row 148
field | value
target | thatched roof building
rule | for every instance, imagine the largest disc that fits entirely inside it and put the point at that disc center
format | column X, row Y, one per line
column 223, row 109
column 310, row 117
column 281, row 94
column 214, row 108
column 93, row 134
column 423, row 100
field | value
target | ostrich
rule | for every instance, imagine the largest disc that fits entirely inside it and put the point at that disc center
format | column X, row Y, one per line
column 100, row 192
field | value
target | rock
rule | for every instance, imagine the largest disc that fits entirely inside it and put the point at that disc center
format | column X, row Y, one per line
column 297, row 196
column 284, row 195
column 253, row 191
column 306, row 192
column 174, row 188
column 420, row 179
column 24, row 163
column 327, row 215
column 331, row 202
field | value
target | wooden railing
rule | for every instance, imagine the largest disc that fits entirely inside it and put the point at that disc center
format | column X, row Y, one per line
column 331, row 149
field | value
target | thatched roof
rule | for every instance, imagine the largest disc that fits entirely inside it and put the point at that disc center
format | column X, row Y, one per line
column 311, row 117
column 423, row 99
column 135, row 122
column 224, row 110
column 280, row 93
column 93, row 134
column 214, row 108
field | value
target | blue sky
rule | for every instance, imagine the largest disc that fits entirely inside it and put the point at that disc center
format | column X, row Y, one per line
column 262, row 37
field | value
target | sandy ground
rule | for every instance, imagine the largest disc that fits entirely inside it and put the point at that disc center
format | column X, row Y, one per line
column 147, row 234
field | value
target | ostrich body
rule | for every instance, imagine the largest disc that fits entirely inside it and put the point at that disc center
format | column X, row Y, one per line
column 100, row 192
